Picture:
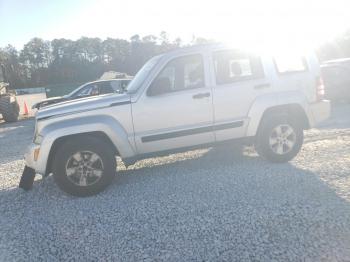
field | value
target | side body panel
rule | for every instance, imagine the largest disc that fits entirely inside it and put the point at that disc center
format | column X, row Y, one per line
column 302, row 81
column 120, row 131
column 262, row 103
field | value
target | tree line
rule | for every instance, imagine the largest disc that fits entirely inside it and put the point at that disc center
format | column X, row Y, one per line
column 61, row 61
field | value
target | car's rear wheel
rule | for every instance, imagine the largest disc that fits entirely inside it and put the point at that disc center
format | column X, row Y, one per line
column 279, row 138
column 84, row 166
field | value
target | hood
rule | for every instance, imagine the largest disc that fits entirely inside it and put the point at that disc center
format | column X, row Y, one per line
column 53, row 98
column 82, row 105
column 48, row 101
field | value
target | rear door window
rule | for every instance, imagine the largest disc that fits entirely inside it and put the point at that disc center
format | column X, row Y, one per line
column 232, row 66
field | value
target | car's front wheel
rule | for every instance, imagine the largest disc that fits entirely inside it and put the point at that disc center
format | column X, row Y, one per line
column 279, row 139
column 84, row 166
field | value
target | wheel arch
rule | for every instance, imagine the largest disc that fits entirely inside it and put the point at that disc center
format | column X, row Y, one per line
column 102, row 127
column 263, row 109
column 294, row 111
column 61, row 140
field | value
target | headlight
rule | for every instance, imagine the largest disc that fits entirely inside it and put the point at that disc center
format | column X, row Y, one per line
column 38, row 139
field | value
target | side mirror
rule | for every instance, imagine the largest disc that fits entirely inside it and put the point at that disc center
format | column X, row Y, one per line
column 160, row 86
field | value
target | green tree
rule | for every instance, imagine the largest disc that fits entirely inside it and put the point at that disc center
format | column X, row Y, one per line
column 66, row 61
column 89, row 49
column 116, row 52
column 36, row 53
column 9, row 59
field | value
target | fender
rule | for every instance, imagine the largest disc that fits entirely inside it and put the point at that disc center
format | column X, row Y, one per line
column 102, row 123
column 264, row 102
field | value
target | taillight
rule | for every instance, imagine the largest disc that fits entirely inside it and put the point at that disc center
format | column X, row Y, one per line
column 320, row 90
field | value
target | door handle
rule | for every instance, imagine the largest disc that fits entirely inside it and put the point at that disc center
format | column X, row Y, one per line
column 201, row 95
column 262, row 86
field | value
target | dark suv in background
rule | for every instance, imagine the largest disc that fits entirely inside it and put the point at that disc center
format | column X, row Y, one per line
column 336, row 77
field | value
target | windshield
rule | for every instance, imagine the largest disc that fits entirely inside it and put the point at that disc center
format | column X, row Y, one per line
column 142, row 74
column 75, row 92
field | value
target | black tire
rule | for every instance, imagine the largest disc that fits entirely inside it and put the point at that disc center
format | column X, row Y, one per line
column 84, row 144
column 9, row 109
column 262, row 141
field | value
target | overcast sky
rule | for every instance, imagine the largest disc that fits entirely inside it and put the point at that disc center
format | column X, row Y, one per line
column 244, row 21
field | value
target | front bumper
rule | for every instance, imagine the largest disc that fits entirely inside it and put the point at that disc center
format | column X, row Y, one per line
column 320, row 111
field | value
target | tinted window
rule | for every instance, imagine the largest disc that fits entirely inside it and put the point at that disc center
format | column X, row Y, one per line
column 182, row 73
column 105, row 88
column 116, row 86
column 124, row 84
column 86, row 91
column 232, row 66
column 193, row 73
column 169, row 73
column 290, row 64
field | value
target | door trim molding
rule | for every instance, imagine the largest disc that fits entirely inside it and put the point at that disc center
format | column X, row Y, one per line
column 193, row 131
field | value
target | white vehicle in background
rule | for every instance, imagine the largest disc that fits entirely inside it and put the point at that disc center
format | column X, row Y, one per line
column 95, row 88
column 191, row 97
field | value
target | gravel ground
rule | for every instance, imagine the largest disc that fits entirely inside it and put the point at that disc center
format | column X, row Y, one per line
column 203, row 205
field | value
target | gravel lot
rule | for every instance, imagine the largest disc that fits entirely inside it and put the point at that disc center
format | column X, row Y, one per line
column 203, row 205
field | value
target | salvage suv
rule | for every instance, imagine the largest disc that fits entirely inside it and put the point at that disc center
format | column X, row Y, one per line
column 187, row 98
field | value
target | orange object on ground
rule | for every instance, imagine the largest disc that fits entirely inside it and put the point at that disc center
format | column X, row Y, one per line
column 25, row 109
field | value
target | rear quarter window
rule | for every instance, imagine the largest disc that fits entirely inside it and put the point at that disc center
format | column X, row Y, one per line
column 290, row 64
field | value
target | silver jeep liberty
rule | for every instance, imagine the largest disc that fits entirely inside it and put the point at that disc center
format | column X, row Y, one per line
column 195, row 96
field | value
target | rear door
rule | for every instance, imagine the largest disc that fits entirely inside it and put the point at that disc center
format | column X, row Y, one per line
column 238, row 80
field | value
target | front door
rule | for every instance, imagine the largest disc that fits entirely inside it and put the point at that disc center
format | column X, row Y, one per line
column 176, row 110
